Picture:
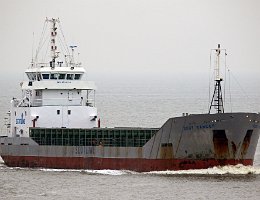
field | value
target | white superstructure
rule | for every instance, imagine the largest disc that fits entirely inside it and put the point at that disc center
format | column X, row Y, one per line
column 55, row 94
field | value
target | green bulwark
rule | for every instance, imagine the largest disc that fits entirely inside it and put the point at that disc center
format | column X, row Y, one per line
column 118, row 137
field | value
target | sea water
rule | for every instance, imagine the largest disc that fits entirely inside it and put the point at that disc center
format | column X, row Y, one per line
column 140, row 103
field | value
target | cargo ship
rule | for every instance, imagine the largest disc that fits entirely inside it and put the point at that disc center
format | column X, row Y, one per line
column 55, row 125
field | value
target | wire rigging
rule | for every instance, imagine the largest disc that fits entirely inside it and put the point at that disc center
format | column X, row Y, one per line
column 209, row 78
column 239, row 85
column 62, row 46
column 230, row 91
column 225, row 64
column 66, row 47
column 41, row 39
column 44, row 57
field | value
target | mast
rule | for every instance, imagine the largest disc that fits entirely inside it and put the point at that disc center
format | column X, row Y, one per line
column 217, row 100
column 72, row 62
column 54, row 53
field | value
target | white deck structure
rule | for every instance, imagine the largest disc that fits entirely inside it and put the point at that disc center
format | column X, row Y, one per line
column 55, row 94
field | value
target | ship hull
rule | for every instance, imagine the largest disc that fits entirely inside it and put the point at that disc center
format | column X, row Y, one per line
column 188, row 142
column 133, row 164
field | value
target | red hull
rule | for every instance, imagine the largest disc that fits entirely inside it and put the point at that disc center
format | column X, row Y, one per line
column 138, row 164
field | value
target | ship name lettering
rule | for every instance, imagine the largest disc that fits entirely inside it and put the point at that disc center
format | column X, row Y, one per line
column 202, row 126
column 187, row 128
column 20, row 120
column 63, row 81
column 205, row 126
column 83, row 150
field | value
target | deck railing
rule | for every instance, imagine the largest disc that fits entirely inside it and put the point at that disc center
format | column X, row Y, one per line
column 54, row 102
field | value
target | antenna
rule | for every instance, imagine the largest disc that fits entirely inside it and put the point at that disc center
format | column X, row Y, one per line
column 32, row 62
column 217, row 100
column 72, row 53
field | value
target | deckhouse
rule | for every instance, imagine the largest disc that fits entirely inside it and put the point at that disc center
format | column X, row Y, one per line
column 56, row 94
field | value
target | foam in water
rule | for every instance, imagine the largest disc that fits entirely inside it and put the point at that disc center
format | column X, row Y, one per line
column 232, row 170
column 103, row 172
column 225, row 170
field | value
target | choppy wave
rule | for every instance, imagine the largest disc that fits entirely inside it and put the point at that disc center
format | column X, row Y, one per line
column 219, row 170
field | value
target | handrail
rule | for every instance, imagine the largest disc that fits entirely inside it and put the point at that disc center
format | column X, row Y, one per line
column 39, row 65
column 56, row 102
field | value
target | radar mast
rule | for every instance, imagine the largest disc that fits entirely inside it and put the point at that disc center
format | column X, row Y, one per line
column 54, row 53
column 217, row 100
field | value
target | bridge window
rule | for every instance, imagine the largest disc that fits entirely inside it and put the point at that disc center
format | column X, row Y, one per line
column 54, row 76
column 69, row 112
column 62, row 76
column 58, row 112
column 77, row 76
column 31, row 76
column 70, row 76
column 45, row 76
column 39, row 77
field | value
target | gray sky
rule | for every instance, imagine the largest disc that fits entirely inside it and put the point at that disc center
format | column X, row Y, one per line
column 137, row 37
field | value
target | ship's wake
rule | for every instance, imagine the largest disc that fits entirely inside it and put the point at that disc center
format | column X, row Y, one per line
column 218, row 170
column 92, row 172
